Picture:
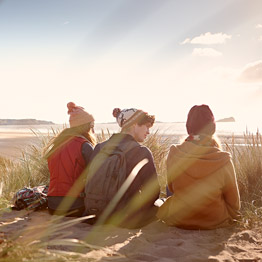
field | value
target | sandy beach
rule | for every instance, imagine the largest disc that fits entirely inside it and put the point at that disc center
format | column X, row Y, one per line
column 12, row 144
column 155, row 242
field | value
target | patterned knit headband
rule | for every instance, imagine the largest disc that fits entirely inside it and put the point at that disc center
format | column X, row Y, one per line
column 127, row 117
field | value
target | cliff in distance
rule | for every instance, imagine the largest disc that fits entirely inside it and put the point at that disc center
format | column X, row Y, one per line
column 24, row 122
column 228, row 119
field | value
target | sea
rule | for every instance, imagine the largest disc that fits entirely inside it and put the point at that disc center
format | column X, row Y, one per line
column 174, row 130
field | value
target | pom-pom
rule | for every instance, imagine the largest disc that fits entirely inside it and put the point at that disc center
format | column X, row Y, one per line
column 70, row 107
column 116, row 112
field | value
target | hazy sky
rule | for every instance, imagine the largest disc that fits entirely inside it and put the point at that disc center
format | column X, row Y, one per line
column 163, row 56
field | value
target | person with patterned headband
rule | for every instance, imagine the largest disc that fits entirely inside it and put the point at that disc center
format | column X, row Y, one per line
column 68, row 155
column 136, row 206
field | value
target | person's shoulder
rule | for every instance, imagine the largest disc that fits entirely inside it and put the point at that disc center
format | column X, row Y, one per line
column 87, row 146
column 99, row 145
column 226, row 155
column 143, row 150
column 174, row 148
column 76, row 141
column 221, row 153
column 80, row 139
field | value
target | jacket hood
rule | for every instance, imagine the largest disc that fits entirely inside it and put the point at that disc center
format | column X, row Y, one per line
column 194, row 160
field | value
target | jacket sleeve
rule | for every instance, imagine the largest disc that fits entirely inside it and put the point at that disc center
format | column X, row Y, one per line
column 146, row 182
column 231, row 192
column 95, row 151
column 87, row 151
column 169, row 165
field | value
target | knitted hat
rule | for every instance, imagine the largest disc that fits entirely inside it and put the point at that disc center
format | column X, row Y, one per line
column 78, row 116
column 127, row 117
column 200, row 120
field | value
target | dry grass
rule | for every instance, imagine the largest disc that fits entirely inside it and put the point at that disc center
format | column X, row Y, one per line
column 32, row 170
column 247, row 159
column 159, row 149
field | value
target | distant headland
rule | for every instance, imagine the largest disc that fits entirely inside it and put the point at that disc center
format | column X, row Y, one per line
column 228, row 119
column 24, row 122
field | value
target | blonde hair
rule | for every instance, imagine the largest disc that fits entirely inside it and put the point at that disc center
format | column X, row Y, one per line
column 205, row 140
column 67, row 134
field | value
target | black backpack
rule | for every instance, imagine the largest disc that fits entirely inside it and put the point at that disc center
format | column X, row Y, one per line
column 106, row 175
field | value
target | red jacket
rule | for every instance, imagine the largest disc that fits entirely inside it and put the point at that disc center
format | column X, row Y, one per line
column 65, row 166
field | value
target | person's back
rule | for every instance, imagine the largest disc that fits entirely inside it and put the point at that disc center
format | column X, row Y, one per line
column 125, row 213
column 201, row 177
column 68, row 155
column 66, row 165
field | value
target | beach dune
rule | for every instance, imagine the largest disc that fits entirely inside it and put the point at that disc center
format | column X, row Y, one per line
column 155, row 242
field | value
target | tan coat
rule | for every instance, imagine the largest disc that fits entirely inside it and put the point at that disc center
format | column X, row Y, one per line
column 203, row 181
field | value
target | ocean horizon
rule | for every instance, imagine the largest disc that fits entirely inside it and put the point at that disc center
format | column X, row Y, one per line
column 15, row 138
column 223, row 129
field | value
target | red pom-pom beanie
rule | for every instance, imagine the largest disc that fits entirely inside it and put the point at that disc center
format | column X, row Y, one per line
column 78, row 116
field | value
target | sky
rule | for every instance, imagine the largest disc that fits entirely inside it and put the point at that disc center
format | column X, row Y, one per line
column 161, row 56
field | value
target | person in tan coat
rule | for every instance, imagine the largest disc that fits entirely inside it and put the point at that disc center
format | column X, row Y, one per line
column 201, row 177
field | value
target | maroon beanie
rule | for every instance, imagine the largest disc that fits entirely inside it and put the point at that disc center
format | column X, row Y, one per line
column 200, row 120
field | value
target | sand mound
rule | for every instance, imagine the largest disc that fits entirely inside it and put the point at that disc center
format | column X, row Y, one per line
column 155, row 242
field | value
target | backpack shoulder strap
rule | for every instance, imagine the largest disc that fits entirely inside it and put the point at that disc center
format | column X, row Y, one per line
column 114, row 145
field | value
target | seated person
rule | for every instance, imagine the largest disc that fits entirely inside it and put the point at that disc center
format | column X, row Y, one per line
column 68, row 154
column 201, row 177
column 136, row 206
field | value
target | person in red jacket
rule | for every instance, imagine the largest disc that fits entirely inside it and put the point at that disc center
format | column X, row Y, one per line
column 68, row 155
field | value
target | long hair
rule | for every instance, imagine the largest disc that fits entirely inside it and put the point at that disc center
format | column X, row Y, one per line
column 67, row 134
column 205, row 140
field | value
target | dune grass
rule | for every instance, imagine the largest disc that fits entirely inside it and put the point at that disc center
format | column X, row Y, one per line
column 31, row 170
column 247, row 159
